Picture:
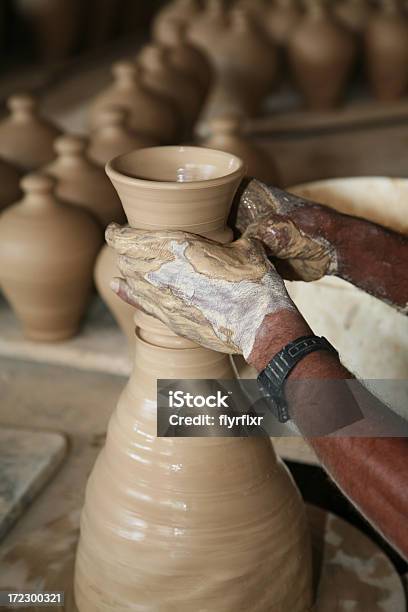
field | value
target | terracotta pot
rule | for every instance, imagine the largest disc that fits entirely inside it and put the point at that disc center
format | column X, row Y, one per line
column 321, row 53
column 26, row 139
column 227, row 135
column 149, row 113
column 112, row 136
column 183, row 11
column 10, row 184
column 47, row 254
column 162, row 78
column 281, row 19
column 105, row 271
column 82, row 183
column 185, row 56
column 386, row 48
column 139, row 509
column 354, row 14
column 370, row 336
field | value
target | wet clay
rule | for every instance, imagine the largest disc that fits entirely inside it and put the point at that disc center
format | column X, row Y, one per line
column 47, row 254
column 149, row 112
column 386, row 48
column 321, row 53
column 112, row 136
column 186, row 523
column 227, row 134
column 26, row 138
column 82, row 183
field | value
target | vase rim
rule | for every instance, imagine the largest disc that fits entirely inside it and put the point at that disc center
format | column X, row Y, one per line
column 233, row 167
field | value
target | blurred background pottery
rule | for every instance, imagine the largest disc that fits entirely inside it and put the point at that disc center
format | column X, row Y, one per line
column 354, row 14
column 47, row 254
column 183, row 11
column 10, row 184
column 280, row 20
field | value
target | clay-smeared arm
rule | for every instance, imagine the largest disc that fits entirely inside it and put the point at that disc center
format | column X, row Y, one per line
column 312, row 241
column 371, row 471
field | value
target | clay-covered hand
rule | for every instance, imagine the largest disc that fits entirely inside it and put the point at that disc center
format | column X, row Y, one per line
column 292, row 229
column 216, row 295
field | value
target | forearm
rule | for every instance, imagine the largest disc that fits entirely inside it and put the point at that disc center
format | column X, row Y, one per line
column 370, row 471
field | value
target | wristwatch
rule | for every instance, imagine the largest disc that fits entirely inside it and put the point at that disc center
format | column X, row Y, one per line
column 272, row 378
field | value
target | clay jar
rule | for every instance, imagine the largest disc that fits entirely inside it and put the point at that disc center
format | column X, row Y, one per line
column 386, row 48
column 47, row 254
column 82, row 183
column 321, row 54
column 105, row 270
column 182, row 11
column 112, row 136
column 227, row 135
column 149, row 113
column 184, row 56
column 281, row 19
column 172, row 84
column 353, row 14
column 9, row 184
column 152, row 532
column 26, row 139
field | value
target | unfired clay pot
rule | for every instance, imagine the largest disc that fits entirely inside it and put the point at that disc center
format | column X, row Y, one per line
column 9, row 184
column 47, row 254
column 112, row 136
column 321, row 53
column 227, row 135
column 26, row 139
column 182, row 11
column 159, row 537
column 82, row 183
column 386, row 48
column 185, row 56
column 280, row 20
column 149, row 113
column 354, row 14
column 164, row 79
column 105, row 270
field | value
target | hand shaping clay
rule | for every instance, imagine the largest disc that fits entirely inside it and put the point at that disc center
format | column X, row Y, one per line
column 47, row 254
column 26, row 139
column 149, row 112
column 227, row 135
column 321, row 53
column 82, row 183
column 166, row 80
column 209, row 524
column 386, row 48
column 112, row 136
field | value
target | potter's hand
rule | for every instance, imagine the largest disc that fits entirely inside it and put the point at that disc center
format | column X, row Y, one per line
column 216, row 295
column 278, row 220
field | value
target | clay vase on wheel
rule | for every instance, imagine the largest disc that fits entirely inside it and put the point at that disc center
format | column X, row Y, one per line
column 386, row 50
column 112, row 136
column 227, row 135
column 26, row 138
column 82, row 183
column 149, row 113
column 163, row 522
column 47, row 254
column 321, row 55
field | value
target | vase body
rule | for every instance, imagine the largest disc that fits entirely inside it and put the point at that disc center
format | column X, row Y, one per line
column 83, row 183
column 321, row 53
column 105, row 270
column 181, row 523
column 227, row 135
column 172, row 84
column 149, row 113
column 26, row 139
column 386, row 46
column 112, row 136
column 47, row 254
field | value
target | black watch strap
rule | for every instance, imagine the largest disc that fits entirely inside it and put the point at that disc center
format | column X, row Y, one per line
column 272, row 379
